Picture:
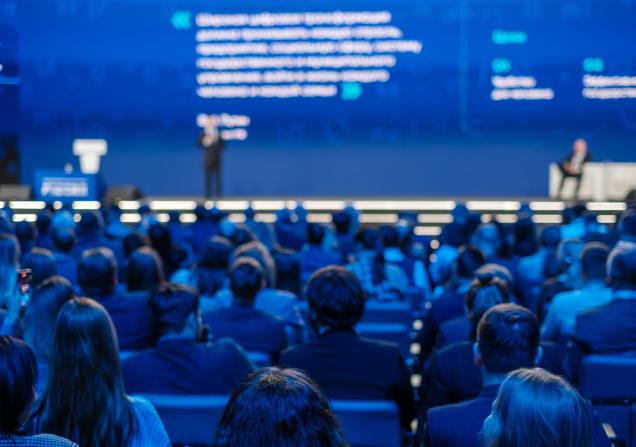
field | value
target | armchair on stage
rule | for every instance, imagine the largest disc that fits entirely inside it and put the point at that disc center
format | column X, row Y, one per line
column 600, row 181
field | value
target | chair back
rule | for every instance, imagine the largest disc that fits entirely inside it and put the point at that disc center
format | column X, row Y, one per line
column 372, row 423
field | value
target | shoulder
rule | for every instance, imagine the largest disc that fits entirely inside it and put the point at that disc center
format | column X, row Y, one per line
column 42, row 440
column 379, row 347
column 144, row 409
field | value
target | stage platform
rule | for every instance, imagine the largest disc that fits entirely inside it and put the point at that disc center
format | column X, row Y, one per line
column 431, row 213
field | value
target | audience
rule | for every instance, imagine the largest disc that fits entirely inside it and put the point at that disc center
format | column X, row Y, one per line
column 144, row 272
column 18, row 379
column 63, row 243
column 41, row 263
column 253, row 329
column 278, row 407
column 537, row 409
column 182, row 362
column 345, row 365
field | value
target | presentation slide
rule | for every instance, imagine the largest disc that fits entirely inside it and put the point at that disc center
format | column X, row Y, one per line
column 346, row 98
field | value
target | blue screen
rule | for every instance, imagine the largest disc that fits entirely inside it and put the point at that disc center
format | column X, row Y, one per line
column 331, row 98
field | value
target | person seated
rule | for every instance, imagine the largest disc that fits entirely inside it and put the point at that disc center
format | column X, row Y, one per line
column 25, row 233
column 172, row 256
column 561, row 318
column 182, row 363
column 18, row 379
column 345, row 365
column 63, row 242
column 609, row 329
column 572, row 166
column 538, row 409
column 90, row 234
column 144, row 272
column 43, row 222
column 251, row 328
column 39, row 320
column 451, row 303
column 278, row 407
column 85, row 399
column 42, row 265
column 97, row 276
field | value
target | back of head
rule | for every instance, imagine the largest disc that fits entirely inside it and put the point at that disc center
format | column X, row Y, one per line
column 569, row 251
column 508, row 338
column 90, row 223
column 315, row 234
column 43, row 221
column 622, row 266
column 525, row 237
column 18, row 377
column 535, row 408
column 97, row 272
column 487, row 238
column 63, row 239
column 257, row 251
column 551, row 236
column 594, row 261
column 160, row 239
column 246, row 280
column 369, row 239
column 212, row 265
column 171, row 306
column 336, row 299
column 85, row 397
column 627, row 224
column 41, row 263
column 41, row 313
column 390, row 236
column 486, row 291
column 9, row 263
column 24, row 231
column 278, row 407
column 469, row 260
column 133, row 241
column 341, row 222
column 144, row 271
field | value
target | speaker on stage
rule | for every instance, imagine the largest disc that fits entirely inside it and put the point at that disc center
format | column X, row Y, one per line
column 123, row 192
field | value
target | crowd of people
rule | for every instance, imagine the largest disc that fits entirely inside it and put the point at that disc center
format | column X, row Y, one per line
column 267, row 314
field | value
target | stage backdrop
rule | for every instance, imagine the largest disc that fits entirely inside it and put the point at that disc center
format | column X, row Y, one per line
column 325, row 97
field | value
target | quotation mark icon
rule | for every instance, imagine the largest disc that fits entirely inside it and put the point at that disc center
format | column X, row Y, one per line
column 181, row 19
column 350, row 91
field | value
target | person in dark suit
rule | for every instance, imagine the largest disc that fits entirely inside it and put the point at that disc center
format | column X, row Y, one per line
column 451, row 303
column 212, row 144
column 610, row 328
column 253, row 329
column 345, row 365
column 97, row 277
column 572, row 166
column 314, row 256
column 181, row 364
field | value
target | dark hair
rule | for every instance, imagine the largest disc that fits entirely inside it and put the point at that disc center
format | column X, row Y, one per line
column 171, row 305
column 9, row 263
column 90, row 222
column 622, row 266
column 212, row 265
column 144, row 271
column 486, row 291
column 24, row 231
column 43, row 221
column 336, row 298
column 257, row 251
column 470, row 258
column 508, row 338
column 551, row 236
column 594, row 260
column 246, row 279
column 63, row 239
column 278, row 407
column 369, row 238
column 42, row 265
column 627, row 222
column 161, row 240
column 97, row 272
column 535, row 408
column 41, row 313
column 525, row 237
column 390, row 236
column 315, row 234
column 341, row 221
column 133, row 241
column 85, row 398
column 18, row 377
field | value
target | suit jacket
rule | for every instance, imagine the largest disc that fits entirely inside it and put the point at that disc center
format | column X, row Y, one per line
column 211, row 153
column 132, row 320
column 454, row 331
column 180, row 365
column 66, row 266
column 454, row 377
column 448, row 306
column 347, row 366
column 253, row 329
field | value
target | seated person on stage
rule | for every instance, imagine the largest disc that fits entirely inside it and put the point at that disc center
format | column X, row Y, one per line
column 278, row 407
column 314, row 256
column 253, row 329
column 97, row 276
column 345, row 365
column 561, row 317
column 18, row 378
column 451, row 303
column 609, row 329
column 572, row 166
column 181, row 363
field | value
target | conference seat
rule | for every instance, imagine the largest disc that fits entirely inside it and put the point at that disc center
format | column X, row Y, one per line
column 260, row 359
column 190, row 420
column 373, row 423
column 397, row 333
column 632, row 430
column 609, row 381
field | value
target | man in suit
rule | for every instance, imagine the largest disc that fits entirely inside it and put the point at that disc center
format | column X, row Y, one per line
column 572, row 166
column 609, row 329
column 181, row 363
column 314, row 256
column 212, row 144
column 97, row 277
column 253, row 329
column 345, row 365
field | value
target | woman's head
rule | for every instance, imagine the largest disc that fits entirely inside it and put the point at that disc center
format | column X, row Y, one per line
column 85, row 398
column 41, row 314
column 18, row 377
column 144, row 271
column 280, row 407
column 486, row 291
column 535, row 408
column 212, row 265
